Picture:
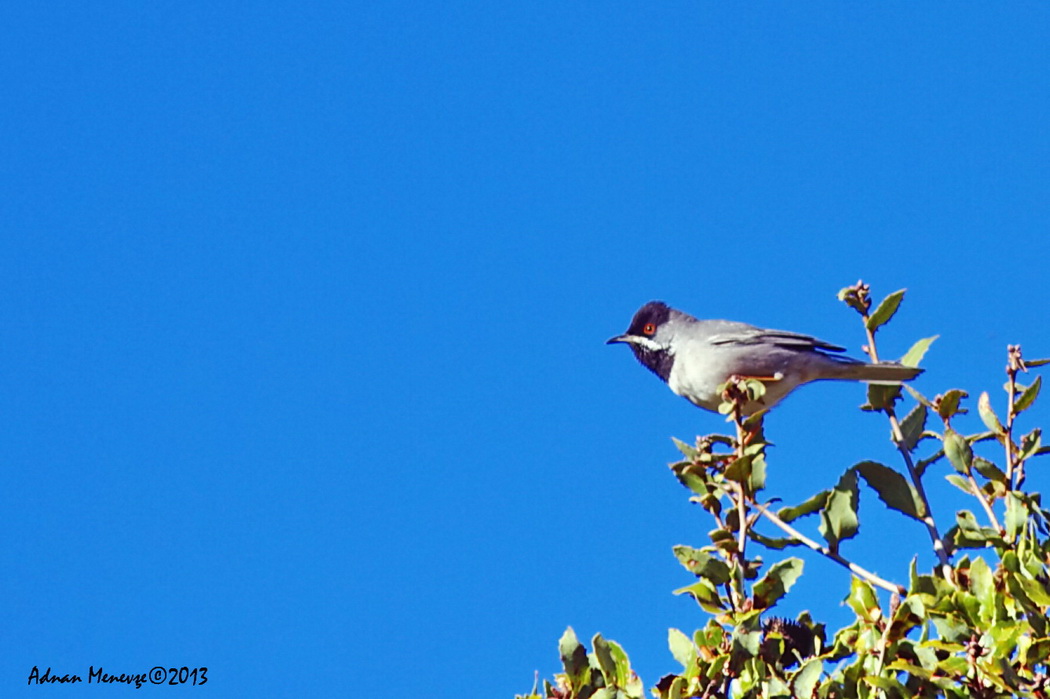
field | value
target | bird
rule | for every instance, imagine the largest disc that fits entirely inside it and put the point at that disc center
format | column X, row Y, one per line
column 694, row 357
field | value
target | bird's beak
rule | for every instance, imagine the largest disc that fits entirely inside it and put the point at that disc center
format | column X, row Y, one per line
column 620, row 338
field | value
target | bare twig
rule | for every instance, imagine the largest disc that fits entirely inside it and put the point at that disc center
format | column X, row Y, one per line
column 1014, row 363
column 742, row 493
column 898, row 441
column 979, row 494
column 824, row 550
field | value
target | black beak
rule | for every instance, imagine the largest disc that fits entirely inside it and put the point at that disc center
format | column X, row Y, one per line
column 618, row 338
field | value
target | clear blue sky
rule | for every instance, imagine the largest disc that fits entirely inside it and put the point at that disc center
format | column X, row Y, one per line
column 302, row 369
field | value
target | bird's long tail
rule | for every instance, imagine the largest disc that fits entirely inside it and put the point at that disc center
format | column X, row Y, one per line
column 882, row 373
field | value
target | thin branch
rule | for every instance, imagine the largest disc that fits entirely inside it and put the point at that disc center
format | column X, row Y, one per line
column 1014, row 363
column 828, row 553
column 979, row 494
column 742, row 501
column 916, row 479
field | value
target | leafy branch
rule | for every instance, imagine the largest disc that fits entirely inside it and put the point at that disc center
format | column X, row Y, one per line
column 975, row 626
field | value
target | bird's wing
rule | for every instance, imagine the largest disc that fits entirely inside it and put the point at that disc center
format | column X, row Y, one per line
column 727, row 332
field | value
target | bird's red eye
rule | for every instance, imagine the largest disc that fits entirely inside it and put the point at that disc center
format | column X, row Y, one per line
column 649, row 329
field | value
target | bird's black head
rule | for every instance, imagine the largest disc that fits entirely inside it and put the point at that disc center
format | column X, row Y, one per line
column 648, row 319
column 643, row 336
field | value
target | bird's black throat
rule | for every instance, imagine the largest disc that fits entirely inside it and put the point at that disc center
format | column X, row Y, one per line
column 657, row 361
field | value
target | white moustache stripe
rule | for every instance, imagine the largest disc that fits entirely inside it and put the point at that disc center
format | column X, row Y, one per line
column 646, row 342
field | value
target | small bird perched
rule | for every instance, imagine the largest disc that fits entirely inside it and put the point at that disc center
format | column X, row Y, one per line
column 694, row 357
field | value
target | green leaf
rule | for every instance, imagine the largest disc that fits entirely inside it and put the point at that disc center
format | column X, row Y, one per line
column 1016, row 516
column 692, row 477
column 1038, row 652
column 682, row 648
column 922, row 464
column 709, row 637
column 687, row 450
column 1031, row 443
column 885, row 310
column 702, row 564
column 739, row 470
column 910, row 614
column 606, row 661
column 958, row 451
column 988, row 416
column 1036, row 591
column 804, row 683
column 892, row 488
column 790, row 514
column 951, row 628
column 881, row 397
column 757, row 481
column 746, row 642
column 969, row 534
column 912, row 426
column 981, row 583
column 989, row 470
column 838, row 519
column 769, row 542
column 863, row 601
column 919, row 397
column 948, row 403
column 913, row 356
column 1029, row 395
column 1033, row 363
column 849, row 296
column 573, row 657
column 960, row 482
column 775, row 584
column 623, row 669
column 1021, row 588
column 705, row 595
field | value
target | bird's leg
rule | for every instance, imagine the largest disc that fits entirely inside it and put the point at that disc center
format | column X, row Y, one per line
column 775, row 377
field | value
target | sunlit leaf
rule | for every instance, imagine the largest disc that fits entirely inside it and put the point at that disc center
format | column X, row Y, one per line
column 682, row 648
column 769, row 542
column 686, row 449
column 914, row 355
column 988, row 416
column 1028, row 396
column 952, row 628
column 1031, row 443
column 912, row 426
column 863, row 600
column 848, row 295
column 804, row 683
column 881, row 397
column 814, row 503
column 775, row 584
column 702, row 564
column 885, row 310
column 948, row 403
column 1016, row 516
column 958, row 451
column 739, row 470
column 757, row 480
column 705, row 595
column 838, row 519
column 968, row 533
column 959, row 482
column 606, row 661
column 573, row 656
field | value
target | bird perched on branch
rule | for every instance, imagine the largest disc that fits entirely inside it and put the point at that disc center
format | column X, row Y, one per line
column 694, row 357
